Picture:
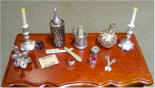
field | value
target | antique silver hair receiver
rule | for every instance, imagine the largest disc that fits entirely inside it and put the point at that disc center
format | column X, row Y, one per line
column 80, row 38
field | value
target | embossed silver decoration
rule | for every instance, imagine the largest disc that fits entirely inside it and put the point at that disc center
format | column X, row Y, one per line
column 58, row 39
column 108, row 38
column 27, row 44
column 94, row 51
column 126, row 44
column 80, row 41
column 108, row 68
column 20, row 59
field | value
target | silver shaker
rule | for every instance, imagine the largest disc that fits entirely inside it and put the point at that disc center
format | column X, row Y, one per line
column 80, row 40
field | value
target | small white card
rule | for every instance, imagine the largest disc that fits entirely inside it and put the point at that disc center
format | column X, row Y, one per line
column 47, row 61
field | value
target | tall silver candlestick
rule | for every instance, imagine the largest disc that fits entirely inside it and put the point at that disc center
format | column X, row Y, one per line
column 126, row 44
column 27, row 44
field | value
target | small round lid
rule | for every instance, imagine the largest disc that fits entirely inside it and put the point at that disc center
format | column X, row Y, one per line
column 95, row 49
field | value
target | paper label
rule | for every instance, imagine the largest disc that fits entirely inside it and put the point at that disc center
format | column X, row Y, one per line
column 48, row 61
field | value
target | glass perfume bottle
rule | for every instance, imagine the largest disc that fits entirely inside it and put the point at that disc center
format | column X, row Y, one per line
column 57, row 30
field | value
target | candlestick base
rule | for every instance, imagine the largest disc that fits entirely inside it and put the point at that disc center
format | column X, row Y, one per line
column 126, row 45
column 27, row 46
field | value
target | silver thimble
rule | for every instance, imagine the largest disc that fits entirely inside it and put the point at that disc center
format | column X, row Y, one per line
column 71, row 62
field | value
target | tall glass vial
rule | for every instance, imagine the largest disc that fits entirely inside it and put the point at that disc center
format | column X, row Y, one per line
column 57, row 30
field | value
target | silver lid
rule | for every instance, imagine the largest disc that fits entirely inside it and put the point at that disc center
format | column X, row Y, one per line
column 95, row 49
column 56, row 19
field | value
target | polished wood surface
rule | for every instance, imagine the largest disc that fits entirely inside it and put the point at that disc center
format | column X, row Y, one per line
column 130, row 68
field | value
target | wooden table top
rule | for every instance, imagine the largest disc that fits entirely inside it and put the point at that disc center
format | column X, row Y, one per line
column 130, row 68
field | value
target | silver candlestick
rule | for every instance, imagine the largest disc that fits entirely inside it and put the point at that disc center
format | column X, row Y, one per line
column 27, row 44
column 126, row 44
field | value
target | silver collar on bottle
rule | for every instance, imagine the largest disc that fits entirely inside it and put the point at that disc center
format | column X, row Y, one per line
column 56, row 19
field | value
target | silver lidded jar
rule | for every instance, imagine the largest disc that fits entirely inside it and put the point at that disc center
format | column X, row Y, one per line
column 57, row 30
column 108, row 38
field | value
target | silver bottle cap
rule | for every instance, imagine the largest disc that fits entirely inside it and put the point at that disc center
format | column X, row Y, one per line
column 95, row 49
column 56, row 19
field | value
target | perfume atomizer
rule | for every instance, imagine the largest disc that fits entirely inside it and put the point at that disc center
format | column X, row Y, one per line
column 80, row 38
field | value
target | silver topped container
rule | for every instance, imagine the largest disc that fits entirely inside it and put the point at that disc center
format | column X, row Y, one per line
column 57, row 29
column 80, row 40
